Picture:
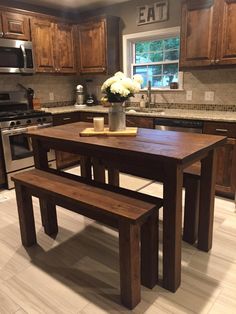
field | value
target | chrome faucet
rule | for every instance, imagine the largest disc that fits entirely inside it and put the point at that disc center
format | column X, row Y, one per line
column 149, row 95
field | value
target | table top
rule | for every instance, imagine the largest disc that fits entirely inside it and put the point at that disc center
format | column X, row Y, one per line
column 152, row 144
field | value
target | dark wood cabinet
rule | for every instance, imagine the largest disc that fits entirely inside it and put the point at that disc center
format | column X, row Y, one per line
column 226, row 157
column 98, row 43
column 53, row 46
column 208, row 34
column 88, row 116
column 42, row 36
column 65, row 159
column 140, row 122
column 198, row 33
column 65, row 48
column 14, row 26
column 226, row 50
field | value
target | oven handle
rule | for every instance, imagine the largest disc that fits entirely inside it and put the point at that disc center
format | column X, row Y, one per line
column 14, row 131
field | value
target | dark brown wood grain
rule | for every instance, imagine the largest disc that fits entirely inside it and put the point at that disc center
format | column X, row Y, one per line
column 98, row 41
column 118, row 209
column 15, row 26
column 152, row 154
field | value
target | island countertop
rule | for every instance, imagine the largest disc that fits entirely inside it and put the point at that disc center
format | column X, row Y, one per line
column 208, row 115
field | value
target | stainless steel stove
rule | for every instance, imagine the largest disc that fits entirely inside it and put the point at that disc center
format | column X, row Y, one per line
column 16, row 119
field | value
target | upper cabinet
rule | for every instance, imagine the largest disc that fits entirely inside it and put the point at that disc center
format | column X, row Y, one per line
column 14, row 26
column 98, row 43
column 53, row 46
column 208, row 34
column 226, row 49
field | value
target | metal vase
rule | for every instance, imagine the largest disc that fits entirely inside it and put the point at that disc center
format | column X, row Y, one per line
column 117, row 117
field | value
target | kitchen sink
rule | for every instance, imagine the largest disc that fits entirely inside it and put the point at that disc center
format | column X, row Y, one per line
column 144, row 110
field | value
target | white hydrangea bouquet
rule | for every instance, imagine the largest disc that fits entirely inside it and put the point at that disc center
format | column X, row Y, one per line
column 119, row 88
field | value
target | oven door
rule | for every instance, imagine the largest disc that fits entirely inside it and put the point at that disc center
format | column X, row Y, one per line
column 17, row 149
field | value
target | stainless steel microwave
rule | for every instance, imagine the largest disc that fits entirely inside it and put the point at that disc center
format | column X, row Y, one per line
column 16, row 56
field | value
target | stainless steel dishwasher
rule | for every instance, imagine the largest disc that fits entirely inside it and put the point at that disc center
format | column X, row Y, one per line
column 182, row 125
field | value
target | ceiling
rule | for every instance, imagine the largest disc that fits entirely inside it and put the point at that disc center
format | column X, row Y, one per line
column 74, row 4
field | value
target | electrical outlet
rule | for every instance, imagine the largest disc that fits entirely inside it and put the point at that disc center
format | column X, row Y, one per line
column 51, row 96
column 189, row 95
column 209, row 96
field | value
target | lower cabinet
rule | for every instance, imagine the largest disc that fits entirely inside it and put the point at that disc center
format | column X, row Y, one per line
column 226, row 157
column 140, row 122
column 226, row 169
column 65, row 159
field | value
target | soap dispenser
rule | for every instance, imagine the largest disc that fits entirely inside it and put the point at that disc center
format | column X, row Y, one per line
column 142, row 103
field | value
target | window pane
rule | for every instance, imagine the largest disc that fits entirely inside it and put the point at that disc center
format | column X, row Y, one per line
column 154, row 70
column 142, row 58
column 142, row 46
column 157, row 81
column 170, row 69
column 156, row 57
column 156, row 45
column 168, row 79
column 142, row 70
column 172, row 43
column 171, row 55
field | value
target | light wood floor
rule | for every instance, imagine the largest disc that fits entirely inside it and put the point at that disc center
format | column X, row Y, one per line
column 77, row 272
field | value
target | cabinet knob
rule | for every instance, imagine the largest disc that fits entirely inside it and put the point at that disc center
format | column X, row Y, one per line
column 217, row 60
column 212, row 61
column 1, row 34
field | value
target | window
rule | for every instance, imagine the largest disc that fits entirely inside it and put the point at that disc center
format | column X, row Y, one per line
column 154, row 55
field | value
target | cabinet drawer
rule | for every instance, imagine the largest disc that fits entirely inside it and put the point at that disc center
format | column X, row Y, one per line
column 65, row 118
column 220, row 128
column 88, row 116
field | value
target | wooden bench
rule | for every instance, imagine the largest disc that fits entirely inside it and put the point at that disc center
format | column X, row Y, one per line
column 135, row 215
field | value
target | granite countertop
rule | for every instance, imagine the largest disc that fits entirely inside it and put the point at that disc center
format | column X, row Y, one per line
column 209, row 115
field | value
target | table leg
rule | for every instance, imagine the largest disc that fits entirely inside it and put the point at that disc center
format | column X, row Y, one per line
column 149, row 251
column 206, row 204
column 98, row 170
column 113, row 176
column 85, row 164
column 172, row 226
column 47, row 208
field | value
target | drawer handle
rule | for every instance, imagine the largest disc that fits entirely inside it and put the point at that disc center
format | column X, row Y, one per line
column 222, row 130
column 66, row 119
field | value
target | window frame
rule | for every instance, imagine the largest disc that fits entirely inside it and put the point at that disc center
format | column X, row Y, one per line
column 129, row 41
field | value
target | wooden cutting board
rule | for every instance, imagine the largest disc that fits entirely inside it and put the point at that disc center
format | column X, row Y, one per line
column 106, row 132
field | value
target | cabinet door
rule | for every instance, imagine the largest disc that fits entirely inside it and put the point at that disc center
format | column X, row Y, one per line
column 199, row 32
column 226, row 52
column 92, row 47
column 42, row 36
column 140, row 122
column 65, row 52
column 15, row 26
column 226, row 169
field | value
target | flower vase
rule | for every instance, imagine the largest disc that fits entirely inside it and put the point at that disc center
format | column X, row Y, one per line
column 117, row 117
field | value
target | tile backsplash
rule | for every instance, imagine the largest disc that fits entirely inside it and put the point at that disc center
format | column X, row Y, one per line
column 220, row 81
column 62, row 86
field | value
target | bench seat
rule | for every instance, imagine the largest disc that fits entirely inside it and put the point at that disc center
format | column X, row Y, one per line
column 135, row 218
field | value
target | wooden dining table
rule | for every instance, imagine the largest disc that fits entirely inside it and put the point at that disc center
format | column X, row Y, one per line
column 152, row 154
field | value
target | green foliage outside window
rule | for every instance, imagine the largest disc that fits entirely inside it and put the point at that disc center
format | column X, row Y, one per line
column 157, row 61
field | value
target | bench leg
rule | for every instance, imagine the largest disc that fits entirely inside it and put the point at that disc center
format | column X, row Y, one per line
column 26, row 215
column 130, row 285
column 191, row 209
column 48, row 216
column 149, row 251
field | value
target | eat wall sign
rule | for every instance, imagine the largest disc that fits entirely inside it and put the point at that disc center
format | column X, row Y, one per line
column 156, row 12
